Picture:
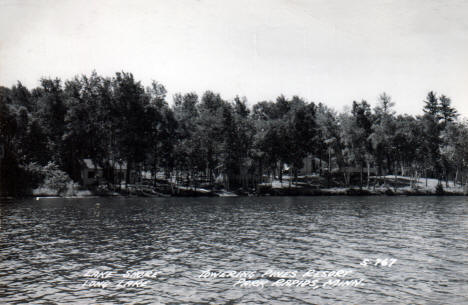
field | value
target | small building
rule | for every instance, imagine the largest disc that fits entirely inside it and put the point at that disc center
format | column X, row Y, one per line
column 120, row 171
column 90, row 173
column 119, row 174
column 357, row 170
column 115, row 173
column 312, row 165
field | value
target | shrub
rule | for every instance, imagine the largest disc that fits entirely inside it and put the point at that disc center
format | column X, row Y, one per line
column 263, row 188
column 54, row 180
column 439, row 189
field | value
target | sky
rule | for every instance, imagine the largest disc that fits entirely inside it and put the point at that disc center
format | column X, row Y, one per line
column 327, row 51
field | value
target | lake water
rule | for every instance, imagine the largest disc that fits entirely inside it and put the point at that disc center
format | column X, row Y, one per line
column 383, row 250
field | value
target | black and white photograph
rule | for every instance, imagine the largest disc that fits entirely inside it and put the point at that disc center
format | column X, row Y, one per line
column 233, row 152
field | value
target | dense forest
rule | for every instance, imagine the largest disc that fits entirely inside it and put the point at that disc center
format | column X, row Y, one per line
column 47, row 131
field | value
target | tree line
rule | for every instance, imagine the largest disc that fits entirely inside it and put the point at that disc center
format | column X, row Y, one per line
column 207, row 139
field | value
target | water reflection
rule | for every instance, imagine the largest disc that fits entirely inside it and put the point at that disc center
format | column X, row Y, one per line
column 48, row 245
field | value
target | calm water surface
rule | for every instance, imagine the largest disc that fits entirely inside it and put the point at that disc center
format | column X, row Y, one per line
column 47, row 248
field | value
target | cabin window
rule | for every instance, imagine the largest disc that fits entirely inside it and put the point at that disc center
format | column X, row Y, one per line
column 91, row 174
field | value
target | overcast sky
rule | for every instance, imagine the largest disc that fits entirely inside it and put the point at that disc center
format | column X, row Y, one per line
column 326, row 51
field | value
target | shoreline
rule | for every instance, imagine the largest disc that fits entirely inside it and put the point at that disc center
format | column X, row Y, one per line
column 273, row 192
column 396, row 186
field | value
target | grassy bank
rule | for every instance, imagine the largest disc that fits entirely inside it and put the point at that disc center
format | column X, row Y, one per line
column 303, row 186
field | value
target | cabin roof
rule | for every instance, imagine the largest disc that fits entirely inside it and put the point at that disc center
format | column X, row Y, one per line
column 122, row 165
column 88, row 163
